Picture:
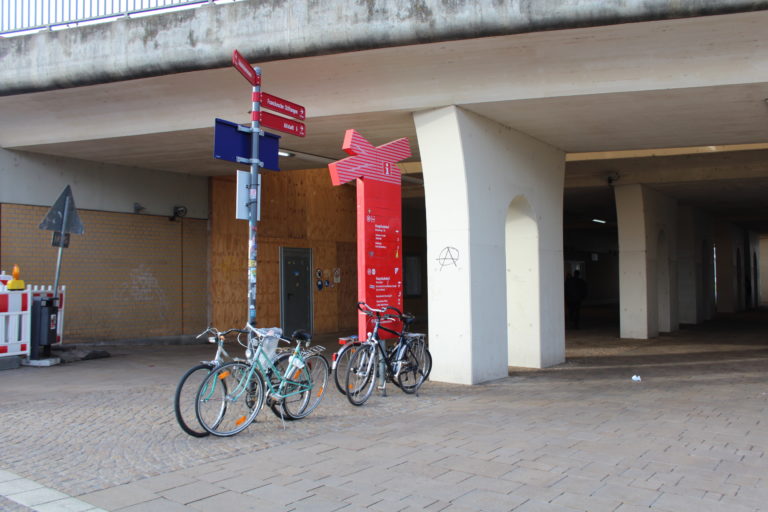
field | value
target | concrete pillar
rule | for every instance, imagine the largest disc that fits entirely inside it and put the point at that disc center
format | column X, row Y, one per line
column 762, row 271
column 694, row 263
column 729, row 245
column 647, row 262
column 752, row 264
column 494, row 221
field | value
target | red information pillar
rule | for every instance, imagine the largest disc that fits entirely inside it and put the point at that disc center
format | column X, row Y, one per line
column 379, row 220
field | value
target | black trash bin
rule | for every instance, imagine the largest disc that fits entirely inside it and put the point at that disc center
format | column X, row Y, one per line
column 45, row 314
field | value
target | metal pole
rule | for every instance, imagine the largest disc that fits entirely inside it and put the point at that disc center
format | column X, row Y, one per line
column 61, row 250
column 253, row 203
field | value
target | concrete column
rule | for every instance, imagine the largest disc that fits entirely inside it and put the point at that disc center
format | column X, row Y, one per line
column 694, row 263
column 494, row 221
column 729, row 244
column 762, row 271
column 647, row 262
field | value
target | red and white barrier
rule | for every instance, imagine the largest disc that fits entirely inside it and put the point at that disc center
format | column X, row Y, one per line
column 15, row 322
column 16, row 317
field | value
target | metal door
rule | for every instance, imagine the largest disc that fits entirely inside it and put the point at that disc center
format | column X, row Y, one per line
column 295, row 289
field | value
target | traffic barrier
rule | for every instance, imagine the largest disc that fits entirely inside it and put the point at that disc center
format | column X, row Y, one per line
column 15, row 322
column 42, row 291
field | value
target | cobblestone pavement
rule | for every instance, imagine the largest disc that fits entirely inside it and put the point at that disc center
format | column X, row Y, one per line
column 692, row 435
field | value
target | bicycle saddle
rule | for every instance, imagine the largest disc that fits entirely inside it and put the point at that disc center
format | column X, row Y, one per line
column 301, row 335
column 407, row 318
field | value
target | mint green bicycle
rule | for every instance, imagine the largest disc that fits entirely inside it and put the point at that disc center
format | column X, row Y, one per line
column 233, row 394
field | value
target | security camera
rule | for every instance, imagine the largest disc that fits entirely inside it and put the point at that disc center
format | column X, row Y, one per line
column 178, row 212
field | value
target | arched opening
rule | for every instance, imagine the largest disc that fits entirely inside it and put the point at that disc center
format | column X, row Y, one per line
column 522, row 269
column 663, row 283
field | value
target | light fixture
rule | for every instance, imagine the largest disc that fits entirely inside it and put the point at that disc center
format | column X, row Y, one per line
column 306, row 156
column 599, row 221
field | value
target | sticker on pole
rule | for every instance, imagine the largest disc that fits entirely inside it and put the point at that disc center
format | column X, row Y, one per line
column 245, row 68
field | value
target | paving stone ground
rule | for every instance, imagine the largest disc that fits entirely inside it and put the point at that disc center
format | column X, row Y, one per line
column 692, row 435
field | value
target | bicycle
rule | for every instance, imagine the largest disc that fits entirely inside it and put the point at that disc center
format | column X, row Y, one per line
column 231, row 396
column 341, row 363
column 407, row 364
column 189, row 384
column 186, row 390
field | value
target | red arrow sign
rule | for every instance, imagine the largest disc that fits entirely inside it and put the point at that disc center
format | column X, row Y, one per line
column 376, row 163
column 282, row 106
column 282, row 124
column 245, row 68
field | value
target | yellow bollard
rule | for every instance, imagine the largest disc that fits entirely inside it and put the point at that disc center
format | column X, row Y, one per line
column 15, row 283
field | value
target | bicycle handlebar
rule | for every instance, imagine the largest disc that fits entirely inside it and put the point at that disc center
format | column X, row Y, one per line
column 381, row 313
column 219, row 334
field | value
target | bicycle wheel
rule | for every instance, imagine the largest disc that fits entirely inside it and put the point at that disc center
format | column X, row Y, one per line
column 419, row 347
column 185, row 397
column 229, row 399
column 415, row 367
column 314, row 375
column 296, row 392
column 342, row 363
column 361, row 374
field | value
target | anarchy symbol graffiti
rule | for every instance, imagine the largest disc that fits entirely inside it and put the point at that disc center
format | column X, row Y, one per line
column 448, row 257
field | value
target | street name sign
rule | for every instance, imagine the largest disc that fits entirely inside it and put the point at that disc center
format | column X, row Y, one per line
column 282, row 106
column 231, row 142
column 283, row 124
column 245, row 68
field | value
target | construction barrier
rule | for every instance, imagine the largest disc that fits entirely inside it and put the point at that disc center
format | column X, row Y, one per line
column 15, row 322
column 39, row 291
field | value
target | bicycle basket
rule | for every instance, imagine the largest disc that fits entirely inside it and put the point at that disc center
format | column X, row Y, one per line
column 269, row 339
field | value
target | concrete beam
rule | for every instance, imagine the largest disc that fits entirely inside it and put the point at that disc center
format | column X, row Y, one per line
column 669, row 169
column 203, row 38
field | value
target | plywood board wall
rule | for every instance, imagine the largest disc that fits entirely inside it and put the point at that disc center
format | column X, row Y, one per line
column 299, row 209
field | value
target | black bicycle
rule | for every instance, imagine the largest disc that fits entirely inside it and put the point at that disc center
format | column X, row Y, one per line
column 407, row 364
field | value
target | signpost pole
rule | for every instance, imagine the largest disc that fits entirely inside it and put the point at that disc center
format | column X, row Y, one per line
column 254, row 195
column 61, row 250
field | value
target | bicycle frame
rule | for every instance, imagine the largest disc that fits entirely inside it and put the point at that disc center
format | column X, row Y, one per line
column 285, row 379
column 388, row 362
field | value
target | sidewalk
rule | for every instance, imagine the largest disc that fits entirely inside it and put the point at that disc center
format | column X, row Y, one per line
column 580, row 437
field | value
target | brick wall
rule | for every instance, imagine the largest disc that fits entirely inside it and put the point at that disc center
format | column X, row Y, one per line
column 128, row 276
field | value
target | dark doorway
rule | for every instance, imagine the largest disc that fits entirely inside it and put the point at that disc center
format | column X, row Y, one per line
column 295, row 289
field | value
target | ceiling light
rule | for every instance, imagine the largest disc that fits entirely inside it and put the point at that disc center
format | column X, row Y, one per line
column 599, row 221
column 284, row 153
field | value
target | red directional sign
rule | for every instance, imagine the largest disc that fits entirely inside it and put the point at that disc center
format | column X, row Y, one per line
column 376, row 163
column 282, row 124
column 282, row 106
column 379, row 219
column 244, row 67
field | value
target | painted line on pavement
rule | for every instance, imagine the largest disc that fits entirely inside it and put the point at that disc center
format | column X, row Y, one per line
column 38, row 497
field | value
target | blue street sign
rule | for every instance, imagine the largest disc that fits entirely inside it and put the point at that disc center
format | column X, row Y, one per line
column 229, row 143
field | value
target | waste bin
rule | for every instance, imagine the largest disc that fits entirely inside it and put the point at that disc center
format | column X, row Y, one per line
column 45, row 314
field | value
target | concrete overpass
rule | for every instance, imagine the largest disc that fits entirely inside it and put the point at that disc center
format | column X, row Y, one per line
column 494, row 98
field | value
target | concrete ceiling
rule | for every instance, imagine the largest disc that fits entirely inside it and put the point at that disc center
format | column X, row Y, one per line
column 691, row 82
